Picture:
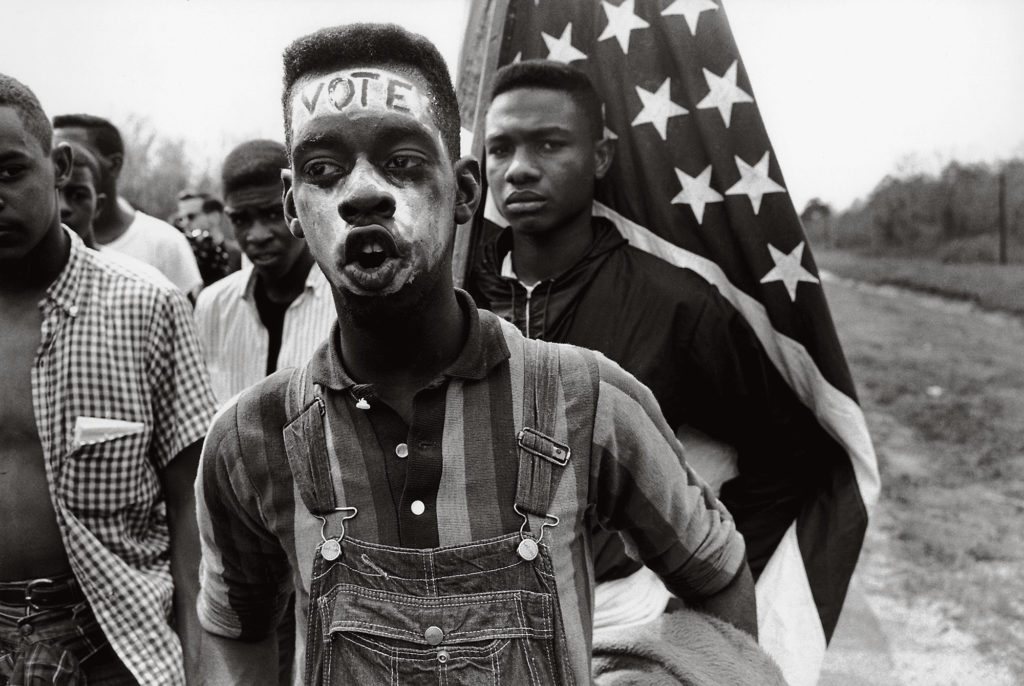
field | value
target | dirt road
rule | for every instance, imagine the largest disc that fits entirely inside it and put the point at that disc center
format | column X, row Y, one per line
column 939, row 593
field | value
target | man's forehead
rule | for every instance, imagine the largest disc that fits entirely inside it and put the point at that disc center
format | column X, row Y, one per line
column 253, row 196
column 81, row 175
column 356, row 90
column 15, row 134
column 534, row 109
column 76, row 134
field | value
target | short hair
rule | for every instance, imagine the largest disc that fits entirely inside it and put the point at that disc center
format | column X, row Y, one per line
column 82, row 156
column 212, row 205
column 104, row 136
column 20, row 98
column 355, row 45
column 551, row 75
column 253, row 163
column 193, row 195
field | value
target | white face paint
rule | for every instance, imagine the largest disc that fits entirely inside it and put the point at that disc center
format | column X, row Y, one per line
column 366, row 89
column 374, row 188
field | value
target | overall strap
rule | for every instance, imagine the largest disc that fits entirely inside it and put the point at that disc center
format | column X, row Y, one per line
column 305, row 443
column 539, row 453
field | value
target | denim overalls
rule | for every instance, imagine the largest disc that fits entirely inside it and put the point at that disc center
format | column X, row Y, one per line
column 484, row 612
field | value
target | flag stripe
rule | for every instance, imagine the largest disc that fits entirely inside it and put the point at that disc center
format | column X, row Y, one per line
column 696, row 183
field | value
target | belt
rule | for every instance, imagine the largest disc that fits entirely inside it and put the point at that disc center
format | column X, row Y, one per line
column 40, row 594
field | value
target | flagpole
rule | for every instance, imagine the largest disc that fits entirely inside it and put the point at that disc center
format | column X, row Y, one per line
column 478, row 60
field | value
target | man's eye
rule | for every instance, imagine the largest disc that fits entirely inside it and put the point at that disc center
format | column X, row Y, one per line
column 11, row 171
column 272, row 214
column 498, row 150
column 321, row 168
column 551, row 146
column 404, row 162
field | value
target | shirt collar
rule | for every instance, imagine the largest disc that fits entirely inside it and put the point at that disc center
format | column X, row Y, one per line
column 65, row 289
column 315, row 281
column 483, row 350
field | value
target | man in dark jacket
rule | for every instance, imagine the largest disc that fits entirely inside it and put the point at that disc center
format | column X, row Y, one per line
column 561, row 274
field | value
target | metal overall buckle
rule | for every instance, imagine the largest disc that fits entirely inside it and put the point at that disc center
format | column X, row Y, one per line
column 330, row 548
column 528, row 547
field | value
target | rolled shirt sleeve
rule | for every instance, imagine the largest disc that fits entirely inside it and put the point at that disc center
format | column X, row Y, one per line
column 643, row 488
column 244, row 574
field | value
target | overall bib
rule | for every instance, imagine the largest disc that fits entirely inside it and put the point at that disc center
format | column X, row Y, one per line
column 484, row 612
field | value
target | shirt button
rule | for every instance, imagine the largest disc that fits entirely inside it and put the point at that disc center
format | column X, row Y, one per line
column 418, row 507
column 27, row 629
column 402, row 450
column 434, row 635
column 73, row 310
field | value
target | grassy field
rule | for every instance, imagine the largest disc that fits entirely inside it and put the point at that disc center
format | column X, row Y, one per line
column 992, row 287
column 943, row 390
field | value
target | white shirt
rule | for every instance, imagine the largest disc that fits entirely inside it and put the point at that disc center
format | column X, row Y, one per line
column 235, row 342
column 159, row 244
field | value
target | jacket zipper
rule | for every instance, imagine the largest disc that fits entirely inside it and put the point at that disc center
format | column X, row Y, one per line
column 529, row 294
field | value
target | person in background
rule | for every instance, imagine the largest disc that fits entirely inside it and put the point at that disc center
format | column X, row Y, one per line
column 190, row 207
column 199, row 218
column 119, row 226
column 80, row 198
column 559, row 273
column 276, row 312
column 103, row 403
column 427, row 484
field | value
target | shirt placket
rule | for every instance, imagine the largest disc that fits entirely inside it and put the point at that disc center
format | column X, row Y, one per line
column 417, row 509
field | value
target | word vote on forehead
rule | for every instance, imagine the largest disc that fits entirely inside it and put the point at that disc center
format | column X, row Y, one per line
column 368, row 89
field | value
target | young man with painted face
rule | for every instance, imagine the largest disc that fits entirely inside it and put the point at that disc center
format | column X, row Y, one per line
column 103, row 404
column 427, row 484
column 120, row 226
column 561, row 274
column 276, row 312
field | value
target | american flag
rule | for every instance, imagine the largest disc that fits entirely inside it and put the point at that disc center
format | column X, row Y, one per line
column 695, row 182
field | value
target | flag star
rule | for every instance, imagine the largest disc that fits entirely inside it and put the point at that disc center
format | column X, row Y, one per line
column 609, row 135
column 697, row 192
column 788, row 269
column 622, row 21
column 691, row 9
column 754, row 181
column 658, row 108
column 724, row 92
column 560, row 49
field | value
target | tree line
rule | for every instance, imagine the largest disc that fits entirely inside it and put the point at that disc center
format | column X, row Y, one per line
column 953, row 215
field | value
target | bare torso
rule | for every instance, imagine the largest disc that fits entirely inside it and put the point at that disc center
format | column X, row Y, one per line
column 29, row 537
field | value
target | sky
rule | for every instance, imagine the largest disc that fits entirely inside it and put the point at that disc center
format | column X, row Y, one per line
column 850, row 90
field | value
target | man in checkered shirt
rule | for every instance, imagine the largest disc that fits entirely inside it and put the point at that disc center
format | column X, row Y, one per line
column 103, row 403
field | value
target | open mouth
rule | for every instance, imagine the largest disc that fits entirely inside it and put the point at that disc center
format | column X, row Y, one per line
column 369, row 247
column 371, row 256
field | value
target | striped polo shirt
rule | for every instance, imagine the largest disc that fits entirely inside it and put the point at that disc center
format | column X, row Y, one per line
column 457, row 482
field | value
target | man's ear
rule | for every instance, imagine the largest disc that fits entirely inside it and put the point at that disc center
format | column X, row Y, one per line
column 101, row 202
column 63, row 159
column 604, row 153
column 467, row 188
column 115, row 162
column 288, row 200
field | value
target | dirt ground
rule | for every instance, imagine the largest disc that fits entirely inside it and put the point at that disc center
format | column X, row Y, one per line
column 942, row 386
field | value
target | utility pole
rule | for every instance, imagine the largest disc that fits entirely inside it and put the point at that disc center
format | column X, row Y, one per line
column 1002, row 216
